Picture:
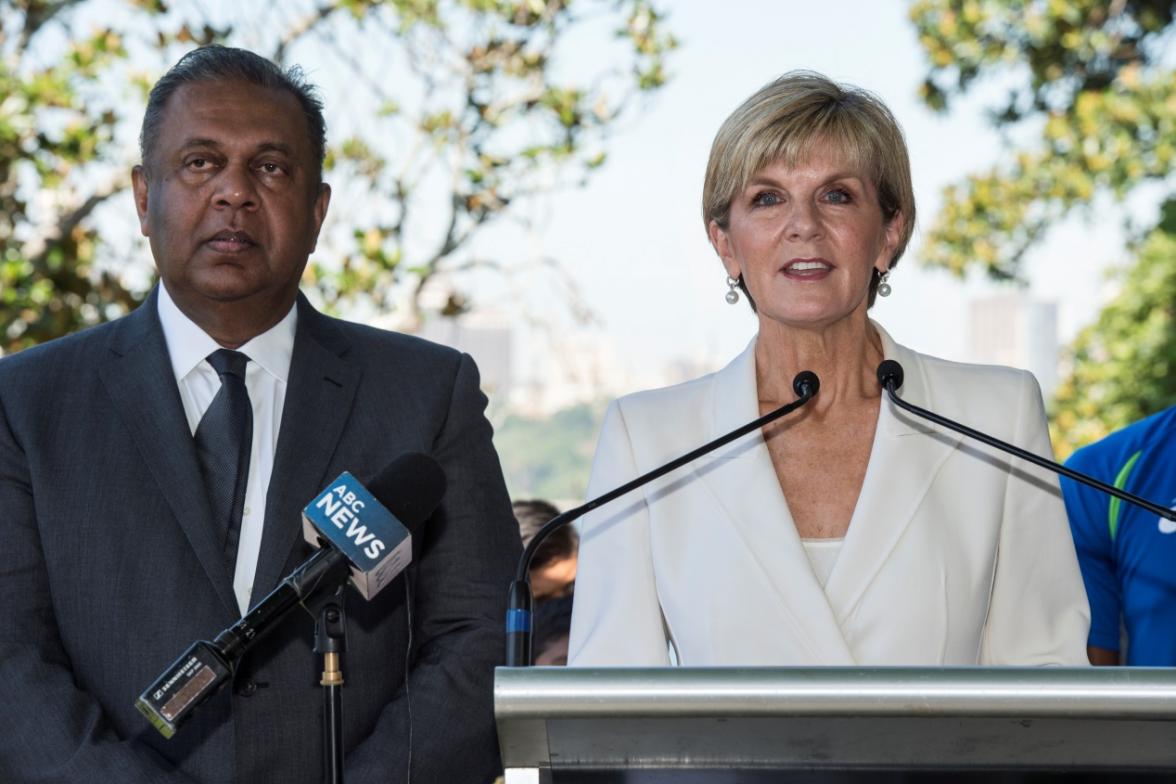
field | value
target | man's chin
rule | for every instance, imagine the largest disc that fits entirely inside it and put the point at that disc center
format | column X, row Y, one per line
column 227, row 284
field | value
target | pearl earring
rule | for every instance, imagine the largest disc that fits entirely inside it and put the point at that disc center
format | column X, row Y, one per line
column 732, row 290
column 884, row 287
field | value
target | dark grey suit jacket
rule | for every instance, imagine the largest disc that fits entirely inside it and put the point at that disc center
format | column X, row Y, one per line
column 109, row 566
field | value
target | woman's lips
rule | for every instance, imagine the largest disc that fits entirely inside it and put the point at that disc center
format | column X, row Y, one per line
column 807, row 269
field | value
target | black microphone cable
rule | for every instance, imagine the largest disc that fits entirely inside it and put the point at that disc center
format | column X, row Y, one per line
column 890, row 376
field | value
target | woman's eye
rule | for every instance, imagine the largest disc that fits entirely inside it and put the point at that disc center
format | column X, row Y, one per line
column 838, row 196
column 765, row 199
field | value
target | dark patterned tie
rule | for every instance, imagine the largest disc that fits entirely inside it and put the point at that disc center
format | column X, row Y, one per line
column 223, row 440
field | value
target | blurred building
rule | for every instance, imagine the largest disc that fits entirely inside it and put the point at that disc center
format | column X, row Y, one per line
column 1016, row 330
column 577, row 366
column 538, row 372
column 486, row 338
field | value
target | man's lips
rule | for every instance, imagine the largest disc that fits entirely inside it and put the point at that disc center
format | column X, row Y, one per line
column 231, row 242
column 807, row 269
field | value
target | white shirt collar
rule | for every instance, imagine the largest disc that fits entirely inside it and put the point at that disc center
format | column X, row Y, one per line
column 188, row 344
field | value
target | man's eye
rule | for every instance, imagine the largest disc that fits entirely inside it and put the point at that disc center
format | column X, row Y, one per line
column 198, row 163
column 270, row 168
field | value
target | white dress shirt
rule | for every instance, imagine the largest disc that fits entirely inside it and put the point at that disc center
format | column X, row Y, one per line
column 265, row 378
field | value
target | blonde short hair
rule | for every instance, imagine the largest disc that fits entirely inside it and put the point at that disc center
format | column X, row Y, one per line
column 785, row 119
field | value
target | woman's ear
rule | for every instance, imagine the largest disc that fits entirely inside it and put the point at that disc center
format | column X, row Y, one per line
column 721, row 242
column 893, row 233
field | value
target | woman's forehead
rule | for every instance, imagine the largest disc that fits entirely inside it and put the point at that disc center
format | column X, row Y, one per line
column 818, row 151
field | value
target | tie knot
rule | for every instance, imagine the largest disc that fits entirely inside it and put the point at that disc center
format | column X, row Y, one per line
column 227, row 361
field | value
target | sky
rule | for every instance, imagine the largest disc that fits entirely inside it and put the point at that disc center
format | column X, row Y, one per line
column 633, row 239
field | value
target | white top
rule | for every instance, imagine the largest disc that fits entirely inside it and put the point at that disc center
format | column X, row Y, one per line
column 822, row 555
column 265, row 377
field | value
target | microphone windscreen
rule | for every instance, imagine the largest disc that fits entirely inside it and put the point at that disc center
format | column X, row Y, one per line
column 806, row 384
column 410, row 487
column 890, row 374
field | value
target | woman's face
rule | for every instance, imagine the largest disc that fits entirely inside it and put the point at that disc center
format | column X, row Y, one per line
column 806, row 239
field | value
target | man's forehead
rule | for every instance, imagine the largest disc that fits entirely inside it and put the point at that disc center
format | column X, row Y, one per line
column 232, row 112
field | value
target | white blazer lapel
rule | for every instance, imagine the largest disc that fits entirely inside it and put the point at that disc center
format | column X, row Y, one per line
column 905, row 458
column 742, row 478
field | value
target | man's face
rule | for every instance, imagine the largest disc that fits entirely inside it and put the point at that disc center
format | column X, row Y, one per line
column 230, row 200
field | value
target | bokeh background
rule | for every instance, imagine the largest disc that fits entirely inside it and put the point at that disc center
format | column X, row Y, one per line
column 521, row 179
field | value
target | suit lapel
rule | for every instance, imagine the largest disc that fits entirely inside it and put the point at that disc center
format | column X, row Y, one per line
column 319, row 396
column 904, row 461
column 742, row 478
column 137, row 374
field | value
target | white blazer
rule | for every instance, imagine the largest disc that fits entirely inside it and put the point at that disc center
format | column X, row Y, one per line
column 955, row 553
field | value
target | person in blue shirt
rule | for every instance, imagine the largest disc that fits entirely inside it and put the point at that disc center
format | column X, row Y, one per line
column 1127, row 554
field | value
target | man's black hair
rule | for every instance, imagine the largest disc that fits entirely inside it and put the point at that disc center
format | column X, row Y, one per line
column 223, row 63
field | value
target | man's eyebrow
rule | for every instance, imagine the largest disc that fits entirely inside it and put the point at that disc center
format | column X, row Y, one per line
column 285, row 149
column 197, row 141
column 278, row 147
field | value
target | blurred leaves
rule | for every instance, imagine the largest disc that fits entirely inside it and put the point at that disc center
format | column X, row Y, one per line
column 59, row 120
column 1124, row 365
column 1089, row 74
column 549, row 457
column 1089, row 108
column 482, row 105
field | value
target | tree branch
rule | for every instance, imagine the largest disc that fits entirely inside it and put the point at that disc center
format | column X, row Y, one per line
column 70, row 221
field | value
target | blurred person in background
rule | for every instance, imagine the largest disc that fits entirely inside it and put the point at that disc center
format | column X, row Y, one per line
column 1127, row 553
column 553, row 578
column 553, row 569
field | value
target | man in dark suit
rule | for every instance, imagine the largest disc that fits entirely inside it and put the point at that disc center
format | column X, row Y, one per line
column 115, row 548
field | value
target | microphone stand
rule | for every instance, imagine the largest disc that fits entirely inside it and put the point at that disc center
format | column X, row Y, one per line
column 520, row 601
column 330, row 640
column 890, row 376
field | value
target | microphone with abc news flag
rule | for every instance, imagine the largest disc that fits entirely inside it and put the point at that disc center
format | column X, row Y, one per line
column 365, row 537
column 518, row 614
column 890, row 377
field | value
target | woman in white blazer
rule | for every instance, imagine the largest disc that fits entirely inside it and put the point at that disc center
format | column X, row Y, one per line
column 847, row 533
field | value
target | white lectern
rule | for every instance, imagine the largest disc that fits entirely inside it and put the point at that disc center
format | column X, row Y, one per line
column 833, row 724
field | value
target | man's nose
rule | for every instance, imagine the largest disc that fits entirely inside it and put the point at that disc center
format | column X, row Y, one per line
column 235, row 188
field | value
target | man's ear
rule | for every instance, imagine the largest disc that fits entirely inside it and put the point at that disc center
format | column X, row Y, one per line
column 139, row 188
column 321, row 202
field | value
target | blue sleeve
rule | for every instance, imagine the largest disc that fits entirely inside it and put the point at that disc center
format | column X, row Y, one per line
column 1087, row 509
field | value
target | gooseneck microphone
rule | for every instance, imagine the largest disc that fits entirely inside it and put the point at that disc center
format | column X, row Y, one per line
column 890, row 377
column 518, row 613
column 364, row 536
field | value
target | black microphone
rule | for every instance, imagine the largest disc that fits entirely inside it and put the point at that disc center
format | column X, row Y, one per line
column 520, row 600
column 349, row 521
column 890, row 377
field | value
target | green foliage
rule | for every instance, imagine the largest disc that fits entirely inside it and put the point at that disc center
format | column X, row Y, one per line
column 477, row 103
column 1094, row 82
column 1124, row 365
column 549, row 457
column 499, row 119
column 1089, row 74
column 58, row 133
